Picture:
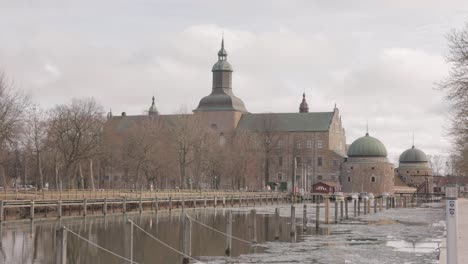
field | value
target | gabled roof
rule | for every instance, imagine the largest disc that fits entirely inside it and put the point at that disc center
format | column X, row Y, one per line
column 287, row 122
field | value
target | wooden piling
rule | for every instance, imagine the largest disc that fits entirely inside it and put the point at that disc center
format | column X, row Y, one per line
column 170, row 203
column 215, row 201
column 355, row 207
column 124, row 205
column 293, row 220
column 187, row 240
column 32, row 210
column 253, row 226
column 131, row 242
column 61, row 245
column 1, row 211
column 375, row 205
column 346, row 209
column 336, row 211
column 227, row 251
column 341, row 211
column 277, row 223
column 59, row 208
column 224, row 201
column 358, row 207
column 204, row 202
column 104, row 208
column 369, row 206
column 140, row 205
column 183, row 203
column 317, row 214
column 327, row 210
column 304, row 218
column 85, row 206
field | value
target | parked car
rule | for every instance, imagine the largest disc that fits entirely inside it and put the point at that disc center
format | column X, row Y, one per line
column 364, row 196
column 338, row 196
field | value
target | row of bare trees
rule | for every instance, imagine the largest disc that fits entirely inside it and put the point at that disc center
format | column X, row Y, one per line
column 456, row 88
column 74, row 146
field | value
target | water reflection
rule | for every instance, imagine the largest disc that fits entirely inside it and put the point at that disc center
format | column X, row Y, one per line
column 34, row 242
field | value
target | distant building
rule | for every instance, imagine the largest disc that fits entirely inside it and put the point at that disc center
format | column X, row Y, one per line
column 415, row 171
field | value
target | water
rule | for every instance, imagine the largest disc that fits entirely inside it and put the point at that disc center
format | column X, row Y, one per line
column 394, row 236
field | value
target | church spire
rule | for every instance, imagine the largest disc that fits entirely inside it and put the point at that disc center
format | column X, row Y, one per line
column 303, row 107
column 222, row 53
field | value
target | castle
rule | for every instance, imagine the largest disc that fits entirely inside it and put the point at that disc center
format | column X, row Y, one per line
column 304, row 147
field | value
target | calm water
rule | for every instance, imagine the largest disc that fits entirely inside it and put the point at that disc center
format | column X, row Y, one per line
column 394, row 236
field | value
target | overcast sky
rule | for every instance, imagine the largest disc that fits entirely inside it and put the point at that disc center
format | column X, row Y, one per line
column 377, row 60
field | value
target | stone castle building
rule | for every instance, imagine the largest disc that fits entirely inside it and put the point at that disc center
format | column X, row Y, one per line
column 414, row 170
column 304, row 147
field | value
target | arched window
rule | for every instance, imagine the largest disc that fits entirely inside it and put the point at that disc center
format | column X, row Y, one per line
column 349, row 179
column 320, row 177
column 372, row 179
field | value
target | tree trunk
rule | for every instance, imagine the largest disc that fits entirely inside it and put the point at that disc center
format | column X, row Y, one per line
column 57, row 184
column 39, row 170
column 91, row 174
column 80, row 171
column 2, row 172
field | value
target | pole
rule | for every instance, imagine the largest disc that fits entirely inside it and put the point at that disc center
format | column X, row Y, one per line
column 451, row 194
column 346, row 209
column 304, row 218
column 229, row 233
column 131, row 242
column 317, row 214
column 354, row 202
column 336, row 211
column 1, row 210
column 277, row 223
column 327, row 210
column 293, row 220
column 253, row 226
column 61, row 245
column 187, row 240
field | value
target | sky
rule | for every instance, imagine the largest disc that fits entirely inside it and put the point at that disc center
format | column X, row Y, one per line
column 378, row 61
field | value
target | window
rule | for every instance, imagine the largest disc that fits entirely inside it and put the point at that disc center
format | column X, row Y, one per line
column 280, row 144
column 298, row 161
column 352, row 167
column 280, row 161
column 335, row 163
column 372, row 179
column 214, row 126
column 320, row 177
column 309, row 161
column 299, row 144
column 417, row 171
column 407, row 171
column 373, row 168
column 349, row 179
column 309, row 143
column 280, row 176
column 319, row 144
column 319, row 161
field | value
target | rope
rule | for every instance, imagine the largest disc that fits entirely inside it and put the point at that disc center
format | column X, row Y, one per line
column 96, row 245
column 160, row 241
column 216, row 230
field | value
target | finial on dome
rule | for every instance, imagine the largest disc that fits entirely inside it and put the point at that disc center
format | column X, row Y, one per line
column 367, row 127
column 222, row 53
column 413, row 140
column 153, row 110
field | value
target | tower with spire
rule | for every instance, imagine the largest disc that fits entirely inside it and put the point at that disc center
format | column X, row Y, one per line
column 153, row 110
column 304, row 107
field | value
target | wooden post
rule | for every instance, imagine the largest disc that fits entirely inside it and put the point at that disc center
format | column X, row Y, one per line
column 327, row 211
column 140, row 205
column 253, row 226
column 1, row 211
column 215, row 201
column 229, row 233
column 204, row 202
column 293, row 220
column 187, row 240
column 317, row 213
column 358, row 207
column 85, row 206
column 156, row 204
column 346, row 208
column 304, row 218
column 368, row 206
column 404, row 201
column 364, row 203
column 224, row 201
column 355, row 207
column 32, row 210
column 381, row 203
column 124, row 205
column 59, row 208
column 170, row 203
column 336, row 211
column 183, row 203
column 61, row 245
column 277, row 223
column 375, row 205
column 131, row 242
column 341, row 211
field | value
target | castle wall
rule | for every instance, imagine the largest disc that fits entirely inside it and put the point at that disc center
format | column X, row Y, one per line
column 375, row 175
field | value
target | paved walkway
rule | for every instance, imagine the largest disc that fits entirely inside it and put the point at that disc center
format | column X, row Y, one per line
column 462, row 235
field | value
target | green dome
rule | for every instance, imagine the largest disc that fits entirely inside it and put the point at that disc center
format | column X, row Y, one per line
column 367, row 146
column 413, row 155
column 222, row 65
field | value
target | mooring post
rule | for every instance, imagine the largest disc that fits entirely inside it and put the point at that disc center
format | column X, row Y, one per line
column 336, row 211
column 293, row 220
column 59, row 208
column 369, row 206
column 204, row 201
column 304, row 218
column 277, row 223
column 355, row 207
column 215, row 201
column 140, row 205
column 253, row 226
column 187, row 240
column 104, row 208
column 228, row 233
column 1, row 211
column 85, row 206
column 224, row 201
column 393, row 202
column 404, row 202
column 327, row 211
column 358, row 207
column 183, row 203
column 341, row 210
column 156, row 204
column 61, row 245
column 32, row 210
column 131, row 242
column 346, row 208
column 124, row 205
column 451, row 195
column 317, row 213
column 375, row 205
column 170, row 203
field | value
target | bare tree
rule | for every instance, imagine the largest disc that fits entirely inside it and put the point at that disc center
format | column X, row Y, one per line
column 76, row 130
column 12, row 107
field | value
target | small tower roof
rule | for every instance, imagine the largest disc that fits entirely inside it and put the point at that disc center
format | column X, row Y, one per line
column 303, row 107
column 153, row 110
